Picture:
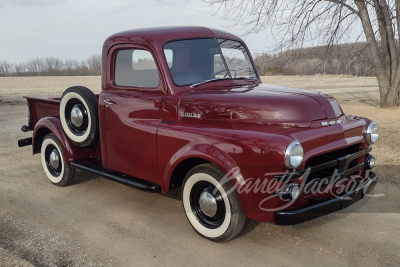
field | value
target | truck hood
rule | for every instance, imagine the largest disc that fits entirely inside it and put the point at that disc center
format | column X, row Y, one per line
column 262, row 105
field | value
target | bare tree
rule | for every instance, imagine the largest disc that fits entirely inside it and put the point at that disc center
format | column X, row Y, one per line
column 19, row 69
column 53, row 66
column 5, row 68
column 94, row 64
column 36, row 67
column 329, row 21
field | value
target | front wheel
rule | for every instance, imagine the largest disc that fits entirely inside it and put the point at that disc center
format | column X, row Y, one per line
column 53, row 161
column 212, row 209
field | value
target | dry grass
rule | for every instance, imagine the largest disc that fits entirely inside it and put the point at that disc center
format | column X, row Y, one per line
column 13, row 88
column 322, row 82
column 358, row 96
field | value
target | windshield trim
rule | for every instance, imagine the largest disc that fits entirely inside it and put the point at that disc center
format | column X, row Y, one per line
column 223, row 60
column 249, row 57
column 219, row 48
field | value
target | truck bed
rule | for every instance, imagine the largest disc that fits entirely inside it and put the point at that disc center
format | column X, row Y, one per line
column 40, row 108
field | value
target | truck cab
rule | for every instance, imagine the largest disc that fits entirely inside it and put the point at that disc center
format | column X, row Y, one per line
column 185, row 107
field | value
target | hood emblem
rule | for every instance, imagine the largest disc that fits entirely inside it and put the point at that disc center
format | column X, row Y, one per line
column 327, row 123
column 190, row 115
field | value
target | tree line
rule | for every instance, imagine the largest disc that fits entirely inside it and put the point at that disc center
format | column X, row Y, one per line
column 51, row 66
column 342, row 59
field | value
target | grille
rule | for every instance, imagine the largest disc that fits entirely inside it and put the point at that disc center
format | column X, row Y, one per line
column 333, row 155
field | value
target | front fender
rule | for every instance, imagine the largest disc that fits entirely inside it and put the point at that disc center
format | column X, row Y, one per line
column 204, row 151
column 223, row 161
column 53, row 125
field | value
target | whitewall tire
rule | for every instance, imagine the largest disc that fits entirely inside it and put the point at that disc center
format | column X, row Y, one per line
column 53, row 162
column 214, row 214
column 79, row 115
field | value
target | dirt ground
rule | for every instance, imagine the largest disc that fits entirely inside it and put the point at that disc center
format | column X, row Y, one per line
column 95, row 222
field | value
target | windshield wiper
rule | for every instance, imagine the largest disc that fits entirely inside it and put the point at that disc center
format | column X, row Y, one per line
column 207, row 81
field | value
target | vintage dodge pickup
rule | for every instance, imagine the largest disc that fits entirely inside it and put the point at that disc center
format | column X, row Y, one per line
column 185, row 107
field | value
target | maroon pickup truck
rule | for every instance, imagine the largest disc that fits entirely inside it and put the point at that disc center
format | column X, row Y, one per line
column 185, row 107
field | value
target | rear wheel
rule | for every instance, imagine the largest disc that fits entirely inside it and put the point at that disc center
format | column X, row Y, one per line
column 212, row 212
column 53, row 162
column 79, row 115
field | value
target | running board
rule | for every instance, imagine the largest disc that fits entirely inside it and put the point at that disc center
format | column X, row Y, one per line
column 94, row 166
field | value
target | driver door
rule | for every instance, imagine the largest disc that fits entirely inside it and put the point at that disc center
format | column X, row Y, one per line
column 131, row 117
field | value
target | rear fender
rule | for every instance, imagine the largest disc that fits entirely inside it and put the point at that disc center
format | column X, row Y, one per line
column 53, row 125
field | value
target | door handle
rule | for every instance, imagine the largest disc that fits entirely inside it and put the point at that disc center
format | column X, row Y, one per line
column 158, row 103
column 108, row 102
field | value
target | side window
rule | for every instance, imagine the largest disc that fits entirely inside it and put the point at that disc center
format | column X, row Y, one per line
column 135, row 68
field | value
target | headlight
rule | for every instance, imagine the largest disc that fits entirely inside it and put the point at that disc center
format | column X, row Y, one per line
column 372, row 133
column 294, row 155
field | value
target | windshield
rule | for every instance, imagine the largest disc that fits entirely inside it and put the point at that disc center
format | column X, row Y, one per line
column 200, row 60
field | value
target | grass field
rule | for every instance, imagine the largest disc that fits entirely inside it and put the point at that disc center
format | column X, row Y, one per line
column 12, row 89
column 345, row 88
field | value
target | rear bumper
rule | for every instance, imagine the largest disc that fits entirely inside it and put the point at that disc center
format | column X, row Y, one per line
column 290, row 217
column 25, row 142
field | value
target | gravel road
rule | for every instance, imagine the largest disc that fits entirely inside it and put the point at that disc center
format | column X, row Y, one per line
column 95, row 222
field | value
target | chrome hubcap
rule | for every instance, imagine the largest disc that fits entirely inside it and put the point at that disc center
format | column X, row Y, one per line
column 76, row 116
column 208, row 204
column 54, row 159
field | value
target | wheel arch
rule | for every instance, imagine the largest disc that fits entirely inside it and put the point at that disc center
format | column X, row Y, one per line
column 191, row 156
column 182, row 168
column 197, row 154
column 38, row 139
column 53, row 125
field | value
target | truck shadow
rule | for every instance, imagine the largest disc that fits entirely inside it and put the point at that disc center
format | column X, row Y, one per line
column 249, row 226
column 175, row 194
column 83, row 177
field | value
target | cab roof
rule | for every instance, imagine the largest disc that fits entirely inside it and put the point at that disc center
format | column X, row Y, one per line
column 156, row 37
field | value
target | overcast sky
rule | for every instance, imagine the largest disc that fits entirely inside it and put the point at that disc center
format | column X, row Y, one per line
column 77, row 28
